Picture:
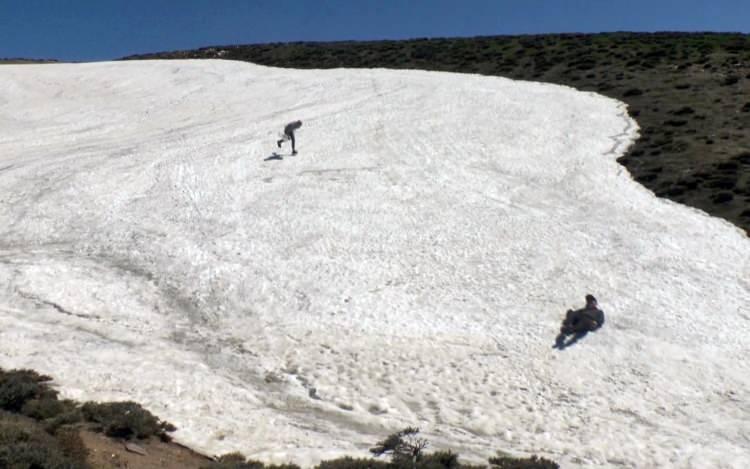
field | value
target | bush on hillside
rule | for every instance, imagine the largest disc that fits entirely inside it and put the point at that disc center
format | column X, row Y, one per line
column 238, row 461
column 126, row 420
column 405, row 448
column 28, row 393
column 534, row 462
column 353, row 463
column 20, row 386
column 71, row 417
column 24, row 444
column 407, row 452
column 439, row 460
column 47, row 408
column 232, row 461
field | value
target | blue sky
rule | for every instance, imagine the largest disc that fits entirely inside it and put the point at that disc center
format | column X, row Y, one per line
column 86, row 30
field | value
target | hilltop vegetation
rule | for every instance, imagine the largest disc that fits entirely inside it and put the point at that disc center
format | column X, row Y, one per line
column 21, row 61
column 688, row 92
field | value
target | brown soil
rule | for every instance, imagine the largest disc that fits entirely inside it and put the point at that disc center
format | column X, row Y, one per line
column 111, row 453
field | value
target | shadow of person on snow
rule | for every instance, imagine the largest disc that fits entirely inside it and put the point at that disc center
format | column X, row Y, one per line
column 274, row 157
column 561, row 344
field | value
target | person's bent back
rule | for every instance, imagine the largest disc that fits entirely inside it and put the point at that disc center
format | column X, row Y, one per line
column 289, row 134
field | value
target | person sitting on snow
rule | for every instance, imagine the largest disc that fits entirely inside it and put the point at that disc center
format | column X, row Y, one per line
column 579, row 322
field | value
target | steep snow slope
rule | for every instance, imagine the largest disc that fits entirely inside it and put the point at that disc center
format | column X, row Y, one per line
column 409, row 267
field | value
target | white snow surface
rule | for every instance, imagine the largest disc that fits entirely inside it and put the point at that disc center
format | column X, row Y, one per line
column 409, row 267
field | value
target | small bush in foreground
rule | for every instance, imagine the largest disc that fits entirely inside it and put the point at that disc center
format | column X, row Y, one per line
column 47, row 408
column 28, row 393
column 24, row 444
column 70, row 417
column 407, row 452
column 439, row 460
column 20, row 386
column 534, row 462
column 353, row 463
column 238, row 461
column 404, row 447
column 126, row 420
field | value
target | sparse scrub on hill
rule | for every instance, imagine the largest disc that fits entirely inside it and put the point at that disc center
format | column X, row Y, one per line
column 28, row 393
column 534, row 462
column 45, row 409
column 31, row 424
column 24, row 444
column 38, row 430
column 53, row 413
column 238, row 461
column 404, row 449
column 353, row 463
column 407, row 451
column 17, row 387
column 126, row 420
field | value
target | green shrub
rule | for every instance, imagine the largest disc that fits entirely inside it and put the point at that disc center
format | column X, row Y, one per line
column 67, row 418
column 439, row 460
column 19, row 386
column 30, row 456
column 53, row 413
column 25, row 445
column 353, row 463
column 407, row 452
column 16, row 430
column 233, row 461
column 126, row 420
column 404, row 447
column 237, row 461
column 47, row 408
column 534, row 462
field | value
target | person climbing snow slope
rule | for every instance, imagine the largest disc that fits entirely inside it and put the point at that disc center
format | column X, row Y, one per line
column 289, row 134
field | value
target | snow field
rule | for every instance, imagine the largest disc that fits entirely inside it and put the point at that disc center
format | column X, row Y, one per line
column 410, row 267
